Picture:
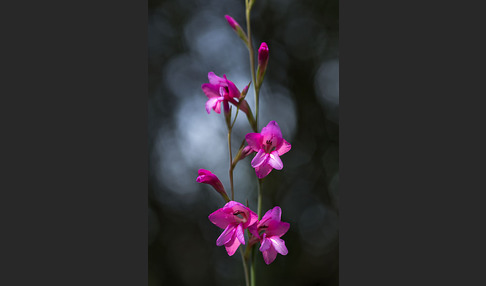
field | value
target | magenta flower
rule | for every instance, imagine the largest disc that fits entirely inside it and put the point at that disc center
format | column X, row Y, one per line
column 221, row 90
column 270, row 146
column 268, row 231
column 234, row 218
column 206, row 177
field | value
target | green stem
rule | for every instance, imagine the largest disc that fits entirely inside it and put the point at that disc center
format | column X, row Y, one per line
column 231, row 163
column 252, row 60
column 259, row 209
column 245, row 268
column 252, row 267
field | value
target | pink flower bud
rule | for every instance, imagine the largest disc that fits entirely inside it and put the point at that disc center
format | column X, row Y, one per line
column 237, row 28
column 263, row 55
column 262, row 63
column 246, row 151
column 232, row 22
column 206, row 177
column 245, row 91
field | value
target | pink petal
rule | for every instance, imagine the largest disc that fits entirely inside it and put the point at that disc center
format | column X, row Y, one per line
column 211, row 104
column 221, row 218
column 266, row 243
column 271, row 214
column 271, row 130
column 233, row 90
column 284, row 148
column 210, row 90
column 263, row 170
column 253, row 219
column 239, row 234
column 259, row 159
column 232, row 245
column 217, row 108
column 216, row 80
column 269, row 255
column 254, row 230
column 276, row 213
column 277, row 228
column 274, row 160
column 279, row 245
column 254, row 140
column 226, row 236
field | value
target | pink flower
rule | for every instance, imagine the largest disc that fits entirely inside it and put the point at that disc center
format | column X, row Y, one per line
column 221, row 90
column 206, row 177
column 234, row 218
column 270, row 146
column 268, row 231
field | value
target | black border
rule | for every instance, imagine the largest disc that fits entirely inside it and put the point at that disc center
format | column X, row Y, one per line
column 77, row 143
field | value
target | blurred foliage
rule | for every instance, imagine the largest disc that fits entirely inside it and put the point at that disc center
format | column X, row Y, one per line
column 187, row 39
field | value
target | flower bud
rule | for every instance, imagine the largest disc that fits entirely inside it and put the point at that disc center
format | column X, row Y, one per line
column 242, row 154
column 244, row 91
column 262, row 62
column 206, row 177
column 232, row 22
column 237, row 28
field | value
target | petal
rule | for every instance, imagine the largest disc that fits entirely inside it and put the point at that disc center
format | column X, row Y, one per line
column 254, row 140
column 233, row 90
column 269, row 255
column 272, row 130
column 254, row 230
column 276, row 213
column 259, row 159
column 239, row 234
column 221, row 218
column 226, row 236
column 211, row 104
column 217, row 107
column 279, row 245
column 232, row 245
column 284, row 148
column 253, row 220
column 210, row 90
column 216, row 80
column 263, row 170
column 277, row 228
column 266, row 243
column 274, row 160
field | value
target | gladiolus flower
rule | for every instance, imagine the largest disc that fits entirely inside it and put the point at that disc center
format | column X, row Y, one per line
column 221, row 90
column 270, row 146
column 234, row 218
column 268, row 231
column 206, row 177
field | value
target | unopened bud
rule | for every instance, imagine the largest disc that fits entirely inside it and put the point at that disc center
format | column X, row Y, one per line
column 237, row 28
column 262, row 62
column 244, row 91
column 206, row 177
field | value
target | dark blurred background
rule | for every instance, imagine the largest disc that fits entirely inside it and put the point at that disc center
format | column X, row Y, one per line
column 187, row 39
